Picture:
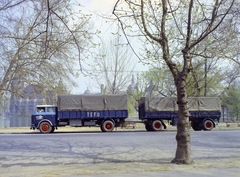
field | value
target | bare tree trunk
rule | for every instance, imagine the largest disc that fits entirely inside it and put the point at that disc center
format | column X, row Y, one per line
column 182, row 155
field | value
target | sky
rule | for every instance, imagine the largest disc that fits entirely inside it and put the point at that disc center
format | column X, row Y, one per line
column 104, row 7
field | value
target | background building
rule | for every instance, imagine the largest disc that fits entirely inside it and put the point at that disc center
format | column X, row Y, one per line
column 23, row 101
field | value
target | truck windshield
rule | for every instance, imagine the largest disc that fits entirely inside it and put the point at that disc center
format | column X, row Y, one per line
column 40, row 109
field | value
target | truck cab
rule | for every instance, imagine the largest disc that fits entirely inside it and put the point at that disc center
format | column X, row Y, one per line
column 44, row 118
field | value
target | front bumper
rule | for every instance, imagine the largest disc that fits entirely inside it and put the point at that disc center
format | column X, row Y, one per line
column 33, row 127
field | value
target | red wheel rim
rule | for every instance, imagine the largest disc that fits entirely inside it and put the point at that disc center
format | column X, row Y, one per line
column 108, row 126
column 45, row 127
column 157, row 125
column 208, row 125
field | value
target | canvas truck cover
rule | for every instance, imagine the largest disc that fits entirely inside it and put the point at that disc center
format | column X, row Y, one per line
column 169, row 104
column 91, row 102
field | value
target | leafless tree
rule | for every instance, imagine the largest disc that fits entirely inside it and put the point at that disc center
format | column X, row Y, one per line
column 177, row 28
column 41, row 42
column 114, row 67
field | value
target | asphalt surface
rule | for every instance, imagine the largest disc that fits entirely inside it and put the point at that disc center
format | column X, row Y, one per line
column 215, row 172
column 19, row 147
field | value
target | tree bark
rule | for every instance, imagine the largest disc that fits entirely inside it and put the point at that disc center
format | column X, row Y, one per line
column 182, row 155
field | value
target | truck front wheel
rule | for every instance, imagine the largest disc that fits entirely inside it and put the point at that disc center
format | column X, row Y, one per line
column 107, row 126
column 208, row 125
column 157, row 125
column 45, row 127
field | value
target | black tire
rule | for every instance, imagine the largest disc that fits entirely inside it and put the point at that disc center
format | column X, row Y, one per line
column 107, row 126
column 52, row 129
column 196, row 126
column 45, row 127
column 156, row 125
column 148, row 127
column 208, row 125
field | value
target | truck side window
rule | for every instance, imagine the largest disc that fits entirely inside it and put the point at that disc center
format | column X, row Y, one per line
column 50, row 109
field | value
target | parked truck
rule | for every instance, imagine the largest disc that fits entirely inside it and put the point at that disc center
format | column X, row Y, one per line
column 109, row 111
column 106, row 111
column 204, row 112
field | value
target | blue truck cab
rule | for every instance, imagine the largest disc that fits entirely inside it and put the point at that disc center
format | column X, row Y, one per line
column 44, row 118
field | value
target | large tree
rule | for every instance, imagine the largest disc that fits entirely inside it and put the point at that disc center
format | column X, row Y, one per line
column 177, row 29
column 41, row 42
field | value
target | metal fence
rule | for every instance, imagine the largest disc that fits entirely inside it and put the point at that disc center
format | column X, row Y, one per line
column 227, row 115
column 20, row 121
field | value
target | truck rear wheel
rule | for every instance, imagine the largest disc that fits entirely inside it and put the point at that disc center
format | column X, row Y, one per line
column 45, row 127
column 148, row 127
column 107, row 126
column 157, row 125
column 208, row 125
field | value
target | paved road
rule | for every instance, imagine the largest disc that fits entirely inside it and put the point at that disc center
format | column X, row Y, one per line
column 88, row 148
column 215, row 172
column 108, row 151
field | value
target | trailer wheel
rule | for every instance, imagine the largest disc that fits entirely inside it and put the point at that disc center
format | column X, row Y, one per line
column 208, row 125
column 156, row 125
column 107, row 126
column 45, row 127
column 196, row 126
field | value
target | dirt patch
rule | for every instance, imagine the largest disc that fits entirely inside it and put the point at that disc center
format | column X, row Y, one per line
column 113, row 168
